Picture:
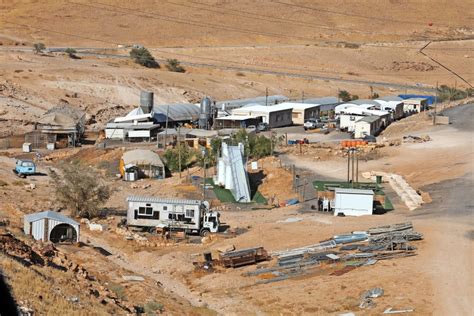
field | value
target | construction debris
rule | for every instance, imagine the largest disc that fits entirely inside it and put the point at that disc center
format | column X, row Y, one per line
column 390, row 310
column 243, row 257
column 375, row 244
column 367, row 296
column 416, row 139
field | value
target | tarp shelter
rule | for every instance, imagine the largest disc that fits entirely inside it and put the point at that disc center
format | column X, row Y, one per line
column 62, row 121
column 430, row 99
column 148, row 162
column 51, row 226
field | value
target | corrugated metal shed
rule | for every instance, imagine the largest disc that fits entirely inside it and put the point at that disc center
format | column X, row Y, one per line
column 271, row 99
column 150, row 199
column 176, row 112
column 41, row 225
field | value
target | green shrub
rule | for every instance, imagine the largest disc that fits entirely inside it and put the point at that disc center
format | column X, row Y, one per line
column 142, row 56
column 172, row 155
column 38, row 47
column 174, row 65
column 152, row 307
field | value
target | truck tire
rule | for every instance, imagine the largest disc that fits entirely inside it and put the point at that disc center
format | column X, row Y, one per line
column 204, row 232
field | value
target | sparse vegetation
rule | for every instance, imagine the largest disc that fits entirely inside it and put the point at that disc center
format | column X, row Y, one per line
column 172, row 157
column 142, row 56
column 39, row 48
column 152, row 307
column 447, row 93
column 118, row 290
column 345, row 96
column 174, row 65
column 80, row 189
column 71, row 53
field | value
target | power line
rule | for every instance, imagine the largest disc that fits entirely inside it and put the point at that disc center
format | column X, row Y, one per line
column 62, row 33
column 161, row 17
column 372, row 18
column 268, row 18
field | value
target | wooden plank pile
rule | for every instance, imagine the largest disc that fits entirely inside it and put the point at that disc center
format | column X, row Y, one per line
column 238, row 258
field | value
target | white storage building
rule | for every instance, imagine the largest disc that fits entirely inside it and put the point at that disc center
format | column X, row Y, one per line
column 353, row 202
column 51, row 226
column 353, row 114
column 278, row 115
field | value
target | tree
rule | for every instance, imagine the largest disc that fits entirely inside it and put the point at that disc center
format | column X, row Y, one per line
column 38, row 47
column 71, row 52
column 354, row 97
column 344, row 95
column 174, row 65
column 172, row 157
column 142, row 56
column 80, row 189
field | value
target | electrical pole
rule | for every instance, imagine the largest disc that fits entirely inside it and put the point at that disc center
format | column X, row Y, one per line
column 266, row 96
column 357, row 167
column 353, row 167
column 348, row 163
column 179, row 150
column 436, row 103
column 302, row 97
column 166, row 126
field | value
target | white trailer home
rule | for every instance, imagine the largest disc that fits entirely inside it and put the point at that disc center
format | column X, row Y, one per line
column 278, row 115
column 353, row 202
column 353, row 114
column 414, row 105
column 394, row 107
column 368, row 125
column 190, row 216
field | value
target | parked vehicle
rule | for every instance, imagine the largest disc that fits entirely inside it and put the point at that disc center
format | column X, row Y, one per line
column 262, row 126
column 190, row 216
column 369, row 138
column 24, row 168
column 312, row 123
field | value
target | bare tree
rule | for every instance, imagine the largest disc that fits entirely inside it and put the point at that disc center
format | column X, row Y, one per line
column 80, row 189
column 39, row 48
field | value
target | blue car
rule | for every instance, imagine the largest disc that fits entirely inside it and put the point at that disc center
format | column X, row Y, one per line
column 24, row 168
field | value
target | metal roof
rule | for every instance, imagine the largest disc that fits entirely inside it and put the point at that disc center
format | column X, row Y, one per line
column 201, row 133
column 363, row 101
column 369, row 119
column 301, row 106
column 271, row 99
column 151, row 199
column 51, row 215
column 390, row 98
column 354, row 191
column 263, row 108
column 142, row 156
column 237, row 117
column 177, row 112
column 322, row 101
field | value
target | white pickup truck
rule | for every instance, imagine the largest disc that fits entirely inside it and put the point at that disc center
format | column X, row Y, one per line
column 312, row 123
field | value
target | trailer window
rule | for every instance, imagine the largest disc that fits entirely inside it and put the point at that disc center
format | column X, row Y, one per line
column 165, row 208
column 189, row 213
column 145, row 210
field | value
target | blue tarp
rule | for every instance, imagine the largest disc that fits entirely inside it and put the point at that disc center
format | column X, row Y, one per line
column 430, row 98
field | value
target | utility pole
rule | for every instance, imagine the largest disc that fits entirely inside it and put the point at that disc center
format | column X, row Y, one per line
column 266, row 96
column 302, row 97
column 357, row 167
column 353, row 167
column 348, row 164
column 179, row 150
column 435, row 105
column 166, row 126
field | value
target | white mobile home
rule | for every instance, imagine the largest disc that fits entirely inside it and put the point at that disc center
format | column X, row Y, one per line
column 353, row 202
column 353, row 114
column 303, row 111
column 368, row 125
column 414, row 105
column 394, row 107
column 278, row 115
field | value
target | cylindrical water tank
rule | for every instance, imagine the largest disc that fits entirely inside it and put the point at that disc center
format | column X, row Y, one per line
column 146, row 101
